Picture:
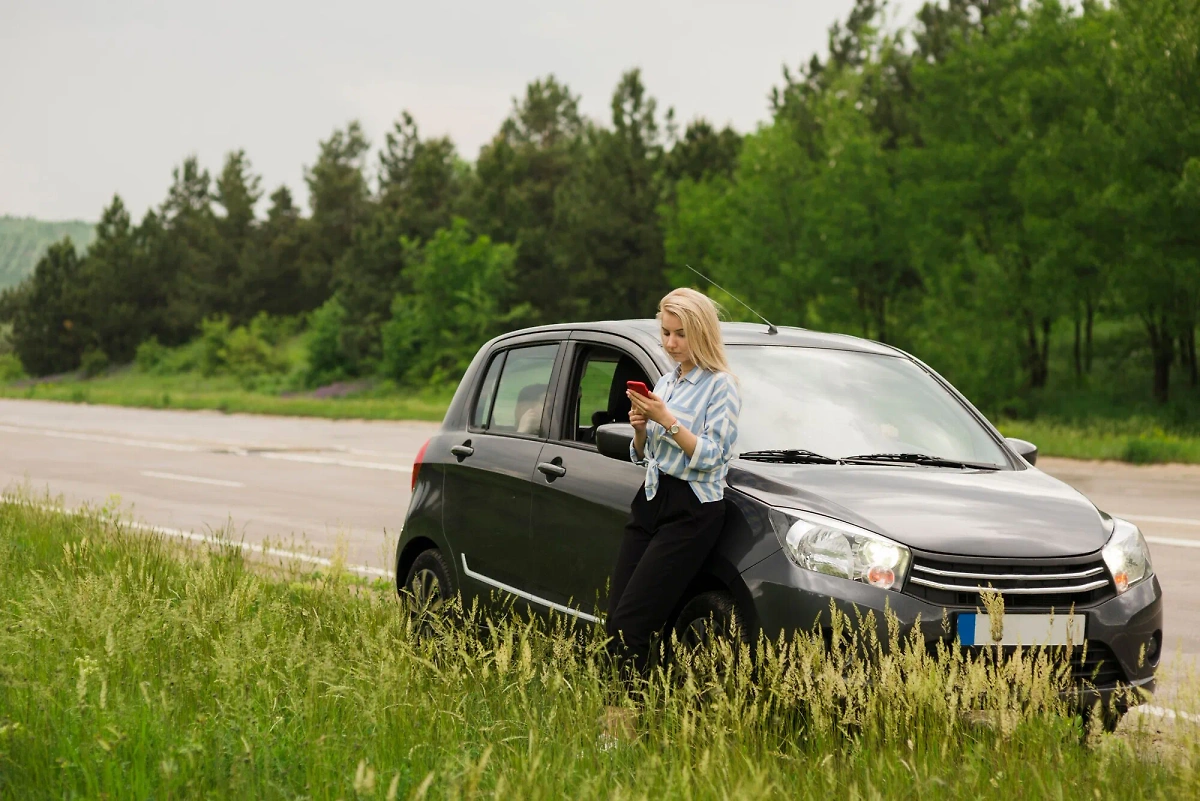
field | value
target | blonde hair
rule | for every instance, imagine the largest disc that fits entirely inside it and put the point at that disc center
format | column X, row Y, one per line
column 701, row 325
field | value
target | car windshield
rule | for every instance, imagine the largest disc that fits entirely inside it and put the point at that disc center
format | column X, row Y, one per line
column 841, row 403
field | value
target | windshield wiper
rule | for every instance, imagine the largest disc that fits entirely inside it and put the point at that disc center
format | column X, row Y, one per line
column 917, row 458
column 789, row 456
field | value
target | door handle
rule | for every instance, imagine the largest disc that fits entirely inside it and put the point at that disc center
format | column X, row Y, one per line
column 552, row 470
column 462, row 451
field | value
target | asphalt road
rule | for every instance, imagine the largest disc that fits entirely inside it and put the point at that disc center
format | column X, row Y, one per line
column 316, row 485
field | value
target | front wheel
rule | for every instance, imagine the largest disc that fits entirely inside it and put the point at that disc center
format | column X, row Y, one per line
column 428, row 584
column 707, row 617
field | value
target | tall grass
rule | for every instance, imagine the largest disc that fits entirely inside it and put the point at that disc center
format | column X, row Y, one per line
column 130, row 668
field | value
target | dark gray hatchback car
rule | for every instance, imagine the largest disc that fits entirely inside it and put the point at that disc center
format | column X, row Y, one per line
column 861, row 476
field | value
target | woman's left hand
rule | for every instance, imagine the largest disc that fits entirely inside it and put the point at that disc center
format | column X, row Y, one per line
column 653, row 408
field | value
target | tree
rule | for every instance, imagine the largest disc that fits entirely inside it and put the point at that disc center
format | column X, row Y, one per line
column 188, row 255
column 340, row 200
column 237, row 192
column 1153, row 67
column 522, row 175
column 47, row 334
column 124, row 294
column 273, row 276
column 703, row 152
column 421, row 185
column 610, row 210
column 458, row 301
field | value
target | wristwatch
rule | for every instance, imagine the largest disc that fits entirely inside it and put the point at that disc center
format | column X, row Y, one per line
column 674, row 428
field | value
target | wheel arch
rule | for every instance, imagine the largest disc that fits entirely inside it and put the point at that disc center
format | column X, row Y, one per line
column 409, row 553
column 718, row 574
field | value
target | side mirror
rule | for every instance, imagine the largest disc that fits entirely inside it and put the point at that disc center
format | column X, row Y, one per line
column 613, row 439
column 1027, row 450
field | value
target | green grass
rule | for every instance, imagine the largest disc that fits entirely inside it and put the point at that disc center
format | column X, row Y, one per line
column 132, row 668
column 1136, row 440
column 226, row 394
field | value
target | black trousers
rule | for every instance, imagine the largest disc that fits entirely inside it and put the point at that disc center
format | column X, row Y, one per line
column 666, row 542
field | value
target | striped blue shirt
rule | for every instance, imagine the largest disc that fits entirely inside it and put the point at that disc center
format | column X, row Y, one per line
column 707, row 404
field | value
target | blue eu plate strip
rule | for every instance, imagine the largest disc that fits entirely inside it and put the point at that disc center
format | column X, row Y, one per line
column 966, row 629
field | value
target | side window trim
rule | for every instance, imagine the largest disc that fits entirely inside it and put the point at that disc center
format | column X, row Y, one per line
column 499, row 358
column 580, row 342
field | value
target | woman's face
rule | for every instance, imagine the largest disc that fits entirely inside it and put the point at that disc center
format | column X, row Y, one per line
column 673, row 339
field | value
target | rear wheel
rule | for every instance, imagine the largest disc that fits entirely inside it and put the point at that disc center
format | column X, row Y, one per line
column 428, row 585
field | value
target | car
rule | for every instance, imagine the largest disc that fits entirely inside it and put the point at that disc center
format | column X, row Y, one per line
column 860, row 475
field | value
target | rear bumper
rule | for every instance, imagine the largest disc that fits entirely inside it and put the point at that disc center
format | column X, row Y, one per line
column 787, row 599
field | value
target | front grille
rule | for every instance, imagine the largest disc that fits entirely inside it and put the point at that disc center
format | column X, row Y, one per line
column 1044, row 584
column 1094, row 667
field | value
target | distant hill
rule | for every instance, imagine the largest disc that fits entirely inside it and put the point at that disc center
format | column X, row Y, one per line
column 23, row 240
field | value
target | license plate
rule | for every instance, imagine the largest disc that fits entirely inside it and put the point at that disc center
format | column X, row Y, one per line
column 1028, row 630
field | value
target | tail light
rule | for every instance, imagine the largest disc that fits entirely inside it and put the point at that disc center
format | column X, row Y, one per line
column 417, row 464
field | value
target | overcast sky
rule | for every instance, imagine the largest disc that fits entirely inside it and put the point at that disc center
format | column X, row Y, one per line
column 106, row 96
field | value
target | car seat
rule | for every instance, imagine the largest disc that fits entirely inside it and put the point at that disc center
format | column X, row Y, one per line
column 618, row 404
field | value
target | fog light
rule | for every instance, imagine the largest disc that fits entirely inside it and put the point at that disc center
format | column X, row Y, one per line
column 1154, row 646
column 882, row 577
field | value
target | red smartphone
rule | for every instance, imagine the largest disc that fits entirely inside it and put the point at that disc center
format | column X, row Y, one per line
column 639, row 387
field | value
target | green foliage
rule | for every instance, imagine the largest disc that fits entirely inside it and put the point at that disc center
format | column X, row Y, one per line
column 150, row 354
column 49, row 335
column 459, row 290
column 242, row 351
column 23, row 242
column 93, row 362
column 10, row 368
column 326, row 359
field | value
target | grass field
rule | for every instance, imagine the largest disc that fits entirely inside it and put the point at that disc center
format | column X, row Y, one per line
column 131, row 668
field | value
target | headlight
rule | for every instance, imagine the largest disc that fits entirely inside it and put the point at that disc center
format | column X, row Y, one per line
column 1127, row 555
column 829, row 546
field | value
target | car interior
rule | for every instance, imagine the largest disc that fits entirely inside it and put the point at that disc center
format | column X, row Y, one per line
column 599, row 389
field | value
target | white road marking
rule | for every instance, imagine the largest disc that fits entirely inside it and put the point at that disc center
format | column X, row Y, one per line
column 208, row 539
column 1163, row 712
column 235, row 450
column 137, row 443
column 310, row 459
column 1175, row 543
column 216, row 482
column 1172, row 521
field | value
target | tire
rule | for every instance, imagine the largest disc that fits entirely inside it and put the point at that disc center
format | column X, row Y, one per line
column 428, row 585
column 709, row 615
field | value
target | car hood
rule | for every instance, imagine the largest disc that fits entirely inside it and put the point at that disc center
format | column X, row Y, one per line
column 1003, row 513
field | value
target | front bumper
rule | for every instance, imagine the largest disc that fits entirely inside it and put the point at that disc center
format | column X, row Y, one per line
column 787, row 599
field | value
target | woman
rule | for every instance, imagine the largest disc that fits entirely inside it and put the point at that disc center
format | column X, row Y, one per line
column 684, row 434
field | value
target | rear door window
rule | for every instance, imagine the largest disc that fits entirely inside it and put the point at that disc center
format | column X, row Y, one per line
column 515, row 403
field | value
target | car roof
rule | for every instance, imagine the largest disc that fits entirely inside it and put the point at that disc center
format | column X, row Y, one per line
column 647, row 331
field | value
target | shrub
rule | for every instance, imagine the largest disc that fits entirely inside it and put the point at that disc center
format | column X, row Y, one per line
column 93, row 363
column 214, row 339
column 326, row 358
column 150, row 355
column 10, row 368
column 249, row 357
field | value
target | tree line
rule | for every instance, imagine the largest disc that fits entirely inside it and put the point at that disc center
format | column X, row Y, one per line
column 998, row 175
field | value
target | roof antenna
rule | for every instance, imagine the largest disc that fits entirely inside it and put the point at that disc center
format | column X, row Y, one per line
column 771, row 329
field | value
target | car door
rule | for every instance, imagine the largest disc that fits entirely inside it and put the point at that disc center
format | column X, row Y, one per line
column 487, row 484
column 581, row 498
